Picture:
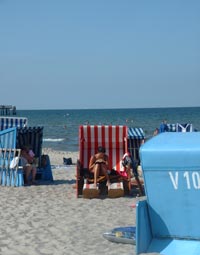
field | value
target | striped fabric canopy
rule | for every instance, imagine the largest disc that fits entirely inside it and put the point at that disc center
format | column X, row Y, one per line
column 179, row 127
column 136, row 133
column 184, row 127
column 136, row 137
column 32, row 136
column 171, row 127
column 9, row 122
column 113, row 138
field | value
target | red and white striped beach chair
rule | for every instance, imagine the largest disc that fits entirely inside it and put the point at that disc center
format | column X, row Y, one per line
column 113, row 138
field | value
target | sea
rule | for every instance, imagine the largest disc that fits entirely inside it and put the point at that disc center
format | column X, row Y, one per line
column 61, row 127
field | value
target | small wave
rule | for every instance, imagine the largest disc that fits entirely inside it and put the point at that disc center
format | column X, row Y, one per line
column 53, row 139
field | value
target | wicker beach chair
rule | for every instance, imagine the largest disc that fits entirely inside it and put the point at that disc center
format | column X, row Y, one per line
column 136, row 138
column 184, row 127
column 9, row 122
column 114, row 139
column 10, row 172
column 167, row 220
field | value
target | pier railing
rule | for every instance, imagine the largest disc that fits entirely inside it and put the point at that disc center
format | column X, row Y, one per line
column 7, row 110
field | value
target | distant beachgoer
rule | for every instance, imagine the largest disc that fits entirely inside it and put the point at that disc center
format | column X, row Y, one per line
column 99, row 164
column 163, row 127
column 156, row 131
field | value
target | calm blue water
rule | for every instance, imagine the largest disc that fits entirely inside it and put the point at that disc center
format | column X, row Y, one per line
column 61, row 126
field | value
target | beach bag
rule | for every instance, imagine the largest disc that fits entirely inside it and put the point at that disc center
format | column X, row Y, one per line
column 46, row 169
column 67, row 161
column 44, row 160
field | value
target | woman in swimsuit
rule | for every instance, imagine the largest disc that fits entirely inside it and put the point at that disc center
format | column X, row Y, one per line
column 99, row 165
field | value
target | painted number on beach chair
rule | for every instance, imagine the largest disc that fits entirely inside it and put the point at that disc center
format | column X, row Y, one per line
column 192, row 179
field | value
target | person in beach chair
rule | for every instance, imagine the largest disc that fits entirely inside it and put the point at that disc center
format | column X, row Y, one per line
column 131, row 169
column 113, row 139
column 28, row 164
column 99, row 164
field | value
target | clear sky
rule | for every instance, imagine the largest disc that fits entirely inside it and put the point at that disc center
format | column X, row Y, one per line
column 79, row 54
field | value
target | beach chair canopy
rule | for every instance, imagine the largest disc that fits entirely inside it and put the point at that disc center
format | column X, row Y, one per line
column 135, row 133
column 184, row 127
column 8, row 138
column 32, row 136
column 136, row 137
column 113, row 138
column 166, row 222
column 171, row 127
column 8, row 122
column 179, row 127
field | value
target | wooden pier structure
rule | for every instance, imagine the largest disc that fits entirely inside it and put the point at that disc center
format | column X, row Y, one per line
column 7, row 110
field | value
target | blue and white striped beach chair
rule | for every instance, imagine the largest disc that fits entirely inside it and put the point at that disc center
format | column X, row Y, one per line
column 171, row 127
column 10, row 172
column 8, row 138
column 184, row 127
column 136, row 137
column 8, row 122
column 10, row 175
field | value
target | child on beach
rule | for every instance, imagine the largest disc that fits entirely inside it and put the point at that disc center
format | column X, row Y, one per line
column 99, row 164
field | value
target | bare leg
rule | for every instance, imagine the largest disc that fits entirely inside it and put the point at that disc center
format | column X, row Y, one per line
column 128, row 171
column 104, row 172
column 34, row 170
column 27, row 170
column 96, row 173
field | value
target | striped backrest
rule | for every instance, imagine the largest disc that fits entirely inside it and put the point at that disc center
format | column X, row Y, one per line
column 31, row 136
column 136, row 137
column 171, row 127
column 113, row 138
column 135, row 133
column 8, row 122
column 8, row 138
column 6, row 157
column 184, row 127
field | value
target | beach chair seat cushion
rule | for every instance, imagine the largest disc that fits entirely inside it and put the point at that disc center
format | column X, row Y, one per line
column 116, row 190
column 90, row 191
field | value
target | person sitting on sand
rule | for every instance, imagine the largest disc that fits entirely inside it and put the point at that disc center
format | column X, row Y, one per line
column 27, row 162
column 99, row 164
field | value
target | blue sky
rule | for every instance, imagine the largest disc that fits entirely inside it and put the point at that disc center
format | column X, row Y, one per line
column 79, row 54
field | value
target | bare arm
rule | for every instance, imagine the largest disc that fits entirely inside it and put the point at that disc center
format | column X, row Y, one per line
column 92, row 162
column 107, row 160
column 27, row 156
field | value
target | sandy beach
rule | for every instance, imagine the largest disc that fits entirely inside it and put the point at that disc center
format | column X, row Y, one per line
column 48, row 219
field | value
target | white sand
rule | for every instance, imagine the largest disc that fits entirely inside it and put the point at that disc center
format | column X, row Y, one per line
column 48, row 219
column 56, row 157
